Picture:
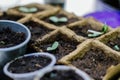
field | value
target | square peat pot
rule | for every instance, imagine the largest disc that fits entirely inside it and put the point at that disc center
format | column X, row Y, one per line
column 7, row 50
column 111, row 18
column 94, row 58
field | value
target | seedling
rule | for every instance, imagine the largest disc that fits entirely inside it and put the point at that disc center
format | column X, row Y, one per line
column 53, row 47
column 28, row 10
column 93, row 33
column 2, row 42
column 116, row 47
column 57, row 20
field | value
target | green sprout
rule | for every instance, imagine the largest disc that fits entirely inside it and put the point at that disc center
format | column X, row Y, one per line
column 28, row 10
column 93, row 33
column 116, row 47
column 105, row 28
column 2, row 42
column 56, row 19
column 53, row 47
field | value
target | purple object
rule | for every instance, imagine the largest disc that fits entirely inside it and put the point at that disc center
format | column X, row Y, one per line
column 110, row 18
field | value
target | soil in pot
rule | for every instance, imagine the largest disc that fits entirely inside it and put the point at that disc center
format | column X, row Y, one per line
column 29, row 64
column 9, row 38
column 114, row 44
column 65, row 46
column 37, row 30
column 10, row 17
column 95, row 63
column 83, row 30
column 69, row 20
column 61, row 75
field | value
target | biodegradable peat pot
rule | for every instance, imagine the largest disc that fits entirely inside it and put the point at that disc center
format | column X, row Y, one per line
column 8, row 53
column 62, row 73
column 28, row 66
column 113, row 73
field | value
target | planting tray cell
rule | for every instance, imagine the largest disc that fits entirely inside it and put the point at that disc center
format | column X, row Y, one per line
column 94, row 58
column 81, row 27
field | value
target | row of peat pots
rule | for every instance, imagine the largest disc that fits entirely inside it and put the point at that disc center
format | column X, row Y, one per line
column 94, row 61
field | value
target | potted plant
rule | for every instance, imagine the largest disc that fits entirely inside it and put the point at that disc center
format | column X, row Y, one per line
column 58, row 43
column 27, row 66
column 112, row 39
column 89, row 28
column 113, row 73
column 58, row 18
column 15, row 37
column 62, row 73
column 94, row 58
column 33, row 8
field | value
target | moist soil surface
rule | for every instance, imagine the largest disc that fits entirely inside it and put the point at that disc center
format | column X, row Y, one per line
column 95, row 63
column 61, row 75
column 37, row 30
column 9, row 38
column 65, row 46
column 29, row 64
column 10, row 17
column 82, row 30
column 70, row 20
column 112, row 43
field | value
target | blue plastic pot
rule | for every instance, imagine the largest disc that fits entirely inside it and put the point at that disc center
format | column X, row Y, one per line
column 9, row 53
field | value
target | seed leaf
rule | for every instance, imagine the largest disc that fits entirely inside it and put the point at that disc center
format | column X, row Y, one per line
column 56, row 19
column 93, row 33
column 28, row 10
column 63, row 19
column 2, row 42
column 53, row 47
column 116, row 47
column 105, row 28
column 53, row 19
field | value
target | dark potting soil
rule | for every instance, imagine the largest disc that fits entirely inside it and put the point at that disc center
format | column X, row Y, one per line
column 61, row 75
column 70, row 20
column 65, row 46
column 82, row 30
column 95, row 63
column 10, row 17
column 10, row 38
column 112, row 43
column 29, row 64
column 37, row 30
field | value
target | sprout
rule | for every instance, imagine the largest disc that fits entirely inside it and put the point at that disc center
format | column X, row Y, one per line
column 56, row 19
column 2, row 42
column 53, row 47
column 116, row 47
column 28, row 10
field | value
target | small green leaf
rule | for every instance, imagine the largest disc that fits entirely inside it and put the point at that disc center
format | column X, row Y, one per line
column 33, row 9
column 56, row 19
column 28, row 10
column 116, row 47
column 53, row 47
column 2, row 42
column 93, row 33
column 53, row 19
column 105, row 28
column 63, row 19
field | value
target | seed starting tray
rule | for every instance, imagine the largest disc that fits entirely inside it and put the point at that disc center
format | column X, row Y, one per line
column 74, row 43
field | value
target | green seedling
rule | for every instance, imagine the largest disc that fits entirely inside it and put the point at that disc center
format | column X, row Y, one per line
column 2, row 42
column 56, row 19
column 28, row 10
column 53, row 47
column 116, row 47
